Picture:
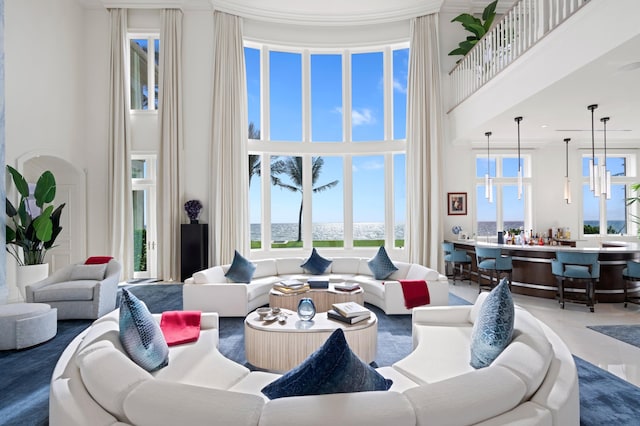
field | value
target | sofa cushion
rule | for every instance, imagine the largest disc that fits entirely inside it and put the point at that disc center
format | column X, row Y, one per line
column 345, row 265
column 241, row 269
column 265, row 268
column 315, row 264
column 289, row 266
column 88, row 272
column 210, row 275
column 65, row 291
column 493, row 329
column 381, row 266
column 419, row 272
column 332, row 368
column 141, row 335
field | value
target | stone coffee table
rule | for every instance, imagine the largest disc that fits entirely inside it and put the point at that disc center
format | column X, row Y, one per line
column 280, row 346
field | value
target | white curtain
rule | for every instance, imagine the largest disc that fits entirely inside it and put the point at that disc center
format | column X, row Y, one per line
column 170, row 203
column 229, row 223
column 424, row 145
column 119, row 194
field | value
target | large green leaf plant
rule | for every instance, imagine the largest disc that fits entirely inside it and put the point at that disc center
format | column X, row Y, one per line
column 34, row 230
column 476, row 26
column 636, row 188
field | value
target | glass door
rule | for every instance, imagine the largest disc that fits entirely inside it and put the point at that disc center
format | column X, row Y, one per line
column 144, row 217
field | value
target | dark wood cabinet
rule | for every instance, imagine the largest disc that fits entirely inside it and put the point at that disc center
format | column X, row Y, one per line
column 194, row 248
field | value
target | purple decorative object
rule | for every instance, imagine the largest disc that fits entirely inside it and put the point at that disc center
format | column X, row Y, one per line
column 193, row 207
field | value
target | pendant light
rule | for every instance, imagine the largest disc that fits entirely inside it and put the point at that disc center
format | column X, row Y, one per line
column 593, row 171
column 605, row 175
column 518, row 120
column 488, row 180
column 567, row 182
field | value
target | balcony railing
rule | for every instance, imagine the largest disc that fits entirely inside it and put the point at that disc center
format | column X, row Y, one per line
column 526, row 22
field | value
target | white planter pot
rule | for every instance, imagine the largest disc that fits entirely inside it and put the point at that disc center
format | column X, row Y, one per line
column 30, row 274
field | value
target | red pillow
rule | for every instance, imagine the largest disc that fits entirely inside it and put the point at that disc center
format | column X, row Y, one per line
column 98, row 260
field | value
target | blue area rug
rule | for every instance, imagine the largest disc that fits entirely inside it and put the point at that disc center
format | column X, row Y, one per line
column 604, row 398
column 627, row 333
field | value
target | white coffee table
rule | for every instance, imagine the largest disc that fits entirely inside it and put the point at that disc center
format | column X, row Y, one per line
column 279, row 347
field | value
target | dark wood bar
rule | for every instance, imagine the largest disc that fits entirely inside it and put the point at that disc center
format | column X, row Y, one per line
column 532, row 268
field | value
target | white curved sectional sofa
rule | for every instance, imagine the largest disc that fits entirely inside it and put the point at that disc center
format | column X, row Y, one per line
column 211, row 291
column 532, row 382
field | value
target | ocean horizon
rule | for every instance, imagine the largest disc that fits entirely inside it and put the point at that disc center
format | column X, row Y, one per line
column 327, row 231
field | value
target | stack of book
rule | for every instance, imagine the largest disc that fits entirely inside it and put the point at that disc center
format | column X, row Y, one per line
column 349, row 312
column 291, row 287
column 346, row 287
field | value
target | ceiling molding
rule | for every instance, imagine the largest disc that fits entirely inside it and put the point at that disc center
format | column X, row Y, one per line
column 328, row 12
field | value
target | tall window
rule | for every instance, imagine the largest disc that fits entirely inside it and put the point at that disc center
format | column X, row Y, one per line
column 505, row 211
column 144, row 56
column 143, row 185
column 602, row 215
column 327, row 146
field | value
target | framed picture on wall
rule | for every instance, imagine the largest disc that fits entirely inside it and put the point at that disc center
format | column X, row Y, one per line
column 457, row 203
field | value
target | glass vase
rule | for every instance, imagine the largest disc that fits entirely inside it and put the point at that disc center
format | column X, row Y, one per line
column 306, row 309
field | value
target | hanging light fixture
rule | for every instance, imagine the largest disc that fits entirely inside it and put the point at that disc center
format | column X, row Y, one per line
column 488, row 180
column 605, row 175
column 593, row 171
column 518, row 120
column 567, row 182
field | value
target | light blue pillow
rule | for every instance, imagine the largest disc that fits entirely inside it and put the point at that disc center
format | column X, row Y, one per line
column 493, row 328
column 333, row 368
column 316, row 264
column 381, row 266
column 241, row 269
column 140, row 334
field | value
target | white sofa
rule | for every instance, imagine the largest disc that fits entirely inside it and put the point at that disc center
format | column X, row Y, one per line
column 533, row 382
column 211, row 291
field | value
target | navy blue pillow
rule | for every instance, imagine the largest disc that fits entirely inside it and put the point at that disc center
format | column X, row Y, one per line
column 316, row 264
column 140, row 334
column 381, row 266
column 333, row 368
column 493, row 328
column 241, row 270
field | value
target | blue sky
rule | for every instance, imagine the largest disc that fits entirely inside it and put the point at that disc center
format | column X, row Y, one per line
column 285, row 86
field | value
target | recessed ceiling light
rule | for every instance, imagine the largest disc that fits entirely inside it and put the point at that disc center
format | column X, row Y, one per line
column 631, row 66
column 544, row 126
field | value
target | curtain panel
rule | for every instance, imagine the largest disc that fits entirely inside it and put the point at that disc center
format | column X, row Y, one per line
column 424, row 145
column 170, row 180
column 120, row 204
column 229, row 214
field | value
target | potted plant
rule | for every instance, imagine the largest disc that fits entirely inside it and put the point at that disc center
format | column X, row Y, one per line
column 635, row 188
column 475, row 26
column 32, row 229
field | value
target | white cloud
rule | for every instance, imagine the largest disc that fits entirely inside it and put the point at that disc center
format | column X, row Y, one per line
column 399, row 87
column 369, row 165
column 364, row 116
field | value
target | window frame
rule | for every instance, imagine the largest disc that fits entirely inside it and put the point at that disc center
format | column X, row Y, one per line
column 307, row 148
column 151, row 36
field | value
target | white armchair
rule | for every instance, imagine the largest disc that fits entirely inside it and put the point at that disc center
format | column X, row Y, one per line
column 78, row 292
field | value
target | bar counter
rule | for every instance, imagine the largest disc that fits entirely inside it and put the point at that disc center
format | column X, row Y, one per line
column 532, row 267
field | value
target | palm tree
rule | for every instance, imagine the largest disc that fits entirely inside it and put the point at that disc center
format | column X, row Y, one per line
column 292, row 167
column 255, row 160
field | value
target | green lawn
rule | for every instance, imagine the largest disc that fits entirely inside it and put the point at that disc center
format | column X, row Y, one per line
column 327, row 243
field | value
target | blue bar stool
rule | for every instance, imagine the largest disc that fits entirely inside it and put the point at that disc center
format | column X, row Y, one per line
column 456, row 259
column 490, row 260
column 577, row 267
column 631, row 274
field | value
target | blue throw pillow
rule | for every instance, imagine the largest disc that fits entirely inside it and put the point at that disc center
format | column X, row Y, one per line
column 493, row 328
column 316, row 264
column 332, row 368
column 141, row 335
column 241, row 270
column 381, row 266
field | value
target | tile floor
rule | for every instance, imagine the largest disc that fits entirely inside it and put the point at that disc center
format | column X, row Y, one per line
column 610, row 354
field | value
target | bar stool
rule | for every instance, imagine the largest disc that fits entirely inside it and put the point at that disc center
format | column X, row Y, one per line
column 456, row 259
column 581, row 267
column 630, row 274
column 491, row 261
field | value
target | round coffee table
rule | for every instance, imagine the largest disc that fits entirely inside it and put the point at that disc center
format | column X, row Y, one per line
column 322, row 298
column 279, row 347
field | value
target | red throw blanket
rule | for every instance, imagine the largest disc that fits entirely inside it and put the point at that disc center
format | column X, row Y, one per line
column 416, row 293
column 180, row 326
